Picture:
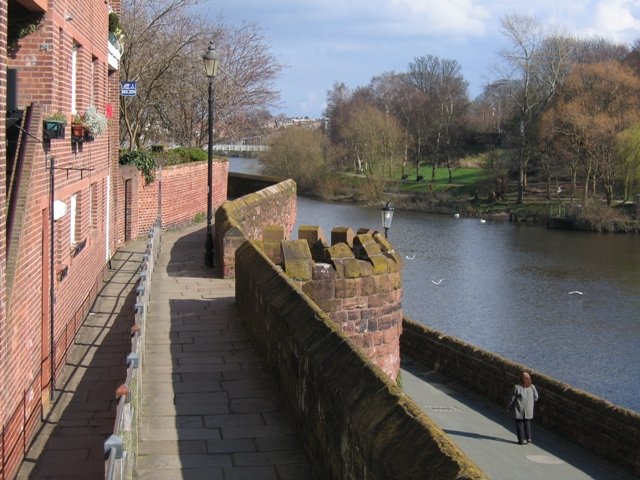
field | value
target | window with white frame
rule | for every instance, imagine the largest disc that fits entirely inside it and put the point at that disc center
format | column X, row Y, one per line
column 73, row 209
column 93, row 205
column 74, row 77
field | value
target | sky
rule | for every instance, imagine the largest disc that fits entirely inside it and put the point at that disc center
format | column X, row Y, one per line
column 322, row 42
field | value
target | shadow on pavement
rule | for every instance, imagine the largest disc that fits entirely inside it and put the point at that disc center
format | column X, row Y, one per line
column 69, row 444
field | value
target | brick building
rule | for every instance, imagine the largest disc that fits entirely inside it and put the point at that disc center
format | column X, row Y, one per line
column 59, row 196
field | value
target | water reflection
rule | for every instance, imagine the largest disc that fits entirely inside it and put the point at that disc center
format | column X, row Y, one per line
column 506, row 288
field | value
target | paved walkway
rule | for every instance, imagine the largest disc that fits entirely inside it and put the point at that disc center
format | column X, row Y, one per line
column 488, row 437
column 209, row 410
column 69, row 444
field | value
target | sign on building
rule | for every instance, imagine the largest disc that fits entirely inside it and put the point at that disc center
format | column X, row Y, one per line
column 128, row 89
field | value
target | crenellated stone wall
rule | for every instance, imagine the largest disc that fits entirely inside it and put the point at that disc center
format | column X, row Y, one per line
column 356, row 280
column 350, row 416
column 246, row 218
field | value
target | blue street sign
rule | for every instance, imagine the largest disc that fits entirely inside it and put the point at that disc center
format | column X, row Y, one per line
column 128, row 89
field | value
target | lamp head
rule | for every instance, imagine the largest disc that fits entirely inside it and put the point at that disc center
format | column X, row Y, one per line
column 387, row 216
column 211, row 61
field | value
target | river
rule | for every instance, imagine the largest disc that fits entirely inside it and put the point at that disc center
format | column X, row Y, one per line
column 506, row 288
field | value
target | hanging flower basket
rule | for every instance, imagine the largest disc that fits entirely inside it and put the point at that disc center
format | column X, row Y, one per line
column 77, row 133
column 94, row 121
column 53, row 129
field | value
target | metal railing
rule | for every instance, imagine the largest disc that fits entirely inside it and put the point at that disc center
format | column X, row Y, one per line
column 120, row 447
column 239, row 148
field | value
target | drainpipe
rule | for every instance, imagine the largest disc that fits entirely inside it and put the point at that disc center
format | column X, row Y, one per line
column 52, row 295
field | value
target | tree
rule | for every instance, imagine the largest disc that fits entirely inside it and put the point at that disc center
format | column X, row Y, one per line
column 446, row 98
column 394, row 94
column 164, row 44
column 628, row 155
column 342, row 102
column 596, row 103
column 299, row 153
column 375, row 139
column 534, row 69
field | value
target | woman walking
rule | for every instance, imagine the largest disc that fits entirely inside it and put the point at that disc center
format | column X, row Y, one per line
column 522, row 400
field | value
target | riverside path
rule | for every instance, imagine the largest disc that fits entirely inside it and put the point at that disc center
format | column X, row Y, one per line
column 487, row 435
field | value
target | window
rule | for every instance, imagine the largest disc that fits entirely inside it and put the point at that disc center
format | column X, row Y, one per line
column 73, row 210
column 74, row 77
column 93, row 205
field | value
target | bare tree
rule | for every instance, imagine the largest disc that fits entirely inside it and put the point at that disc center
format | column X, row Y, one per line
column 158, row 36
column 396, row 96
column 299, row 153
column 628, row 153
column 375, row 139
column 535, row 66
column 441, row 82
column 164, row 44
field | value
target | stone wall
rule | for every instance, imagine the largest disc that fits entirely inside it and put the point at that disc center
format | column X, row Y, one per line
column 356, row 281
column 346, row 410
column 245, row 219
column 244, row 183
column 608, row 431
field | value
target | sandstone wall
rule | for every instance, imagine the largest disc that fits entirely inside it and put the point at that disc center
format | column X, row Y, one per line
column 349, row 414
column 357, row 281
column 245, row 219
column 244, row 183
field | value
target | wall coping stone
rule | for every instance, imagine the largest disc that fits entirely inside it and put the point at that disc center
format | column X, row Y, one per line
column 342, row 235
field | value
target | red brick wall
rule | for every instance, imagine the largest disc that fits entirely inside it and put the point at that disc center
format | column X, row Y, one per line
column 43, row 64
column 3, row 226
column 184, row 194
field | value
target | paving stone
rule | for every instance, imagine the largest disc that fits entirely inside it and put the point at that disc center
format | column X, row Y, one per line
column 253, row 405
column 174, row 447
column 217, row 421
column 161, row 461
column 255, row 431
column 158, row 434
column 250, row 473
column 178, row 474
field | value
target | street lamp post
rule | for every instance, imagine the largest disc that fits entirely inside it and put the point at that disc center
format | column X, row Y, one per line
column 387, row 218
column 211, row 62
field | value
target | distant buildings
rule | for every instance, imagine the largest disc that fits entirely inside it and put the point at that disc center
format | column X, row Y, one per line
column 287, row 122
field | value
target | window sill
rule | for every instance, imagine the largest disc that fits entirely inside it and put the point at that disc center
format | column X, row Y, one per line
column 77, row 248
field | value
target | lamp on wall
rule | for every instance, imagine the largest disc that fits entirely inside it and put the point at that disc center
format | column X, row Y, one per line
column 211, row 63
column 59, row 209
column 387, row 218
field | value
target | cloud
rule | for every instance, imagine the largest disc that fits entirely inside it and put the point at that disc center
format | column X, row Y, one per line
column 617, row 19
column 438, row 16
column 323, row 42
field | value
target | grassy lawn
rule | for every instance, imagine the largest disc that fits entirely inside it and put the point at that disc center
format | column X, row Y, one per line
column 464, row 180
